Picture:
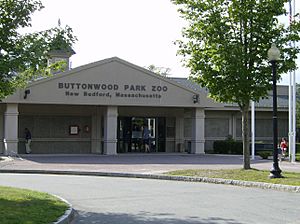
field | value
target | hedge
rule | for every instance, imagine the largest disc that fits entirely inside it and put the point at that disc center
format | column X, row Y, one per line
column 228, row 147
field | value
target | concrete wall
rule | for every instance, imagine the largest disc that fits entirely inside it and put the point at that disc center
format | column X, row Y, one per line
column 51, row 134
column 50, row 128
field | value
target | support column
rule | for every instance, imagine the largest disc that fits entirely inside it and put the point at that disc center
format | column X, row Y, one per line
column 110, row 130
column 179, row 136
column 234, row 136
column 230, row 131
column 1, row 132
column 96, row 131
column 11, row 129
column 198, row 139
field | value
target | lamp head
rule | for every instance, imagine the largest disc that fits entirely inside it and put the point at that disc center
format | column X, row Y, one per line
column 273, row 53
column 196, row 98
column 26, row 92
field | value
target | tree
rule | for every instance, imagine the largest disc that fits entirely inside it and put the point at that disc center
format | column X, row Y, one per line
column 225, row 46
column 24, row 56
column 159, row 70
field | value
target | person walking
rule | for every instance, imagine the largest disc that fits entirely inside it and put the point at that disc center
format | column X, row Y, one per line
column 27, row 141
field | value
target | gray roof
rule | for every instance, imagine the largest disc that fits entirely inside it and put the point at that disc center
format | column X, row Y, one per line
column 190, row 84
column 282, row 100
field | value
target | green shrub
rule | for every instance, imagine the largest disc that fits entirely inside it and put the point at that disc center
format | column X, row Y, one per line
column 264, row 154
column 220, row 147
column 228, row 146
column 298, row 157
column 297, row 147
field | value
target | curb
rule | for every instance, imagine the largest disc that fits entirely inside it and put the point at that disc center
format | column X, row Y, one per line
column 278, row 187
column 69, row 213
column 6, row 158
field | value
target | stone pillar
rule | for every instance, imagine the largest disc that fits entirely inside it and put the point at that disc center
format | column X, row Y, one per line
column 179, row 136
column 198, row 139
column 96, row 131
column 11, row 129
column 110, row 130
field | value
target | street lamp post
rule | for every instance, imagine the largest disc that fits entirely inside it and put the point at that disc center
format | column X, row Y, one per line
column 274, row 56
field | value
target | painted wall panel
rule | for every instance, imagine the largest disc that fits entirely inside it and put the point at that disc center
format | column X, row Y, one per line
column 114, row 82
column 216, row 127
column 51, row 134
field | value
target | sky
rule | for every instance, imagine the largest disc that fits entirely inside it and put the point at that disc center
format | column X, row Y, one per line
column 139, row 31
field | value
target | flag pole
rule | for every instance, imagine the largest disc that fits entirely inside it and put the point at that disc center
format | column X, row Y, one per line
column 293, row 159
column 292, row 99
column 253, row 129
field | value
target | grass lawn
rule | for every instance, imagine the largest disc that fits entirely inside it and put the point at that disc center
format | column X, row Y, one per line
column 19, row 206
column 241, row 174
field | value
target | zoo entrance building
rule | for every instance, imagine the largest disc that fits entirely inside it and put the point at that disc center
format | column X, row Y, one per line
column 100, row 108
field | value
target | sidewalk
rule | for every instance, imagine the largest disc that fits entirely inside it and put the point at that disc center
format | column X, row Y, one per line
column 136, row 163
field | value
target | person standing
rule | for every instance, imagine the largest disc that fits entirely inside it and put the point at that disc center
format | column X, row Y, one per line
column 146, row 138
column 283, row 146
column 127, row 141
column 27, row 141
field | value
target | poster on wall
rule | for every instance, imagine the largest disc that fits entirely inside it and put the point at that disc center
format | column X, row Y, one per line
column 74, row 130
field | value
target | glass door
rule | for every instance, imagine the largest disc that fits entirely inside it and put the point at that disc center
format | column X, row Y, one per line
column 161, row 137
column 137, row 134
column 131, row 134
column 124, row 135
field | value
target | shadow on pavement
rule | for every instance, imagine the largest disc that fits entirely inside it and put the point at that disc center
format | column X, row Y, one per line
column 145, row 217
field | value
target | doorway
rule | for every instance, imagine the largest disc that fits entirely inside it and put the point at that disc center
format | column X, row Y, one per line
column 131, row 134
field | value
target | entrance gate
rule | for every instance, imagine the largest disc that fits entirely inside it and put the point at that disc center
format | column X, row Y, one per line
column 130, row 134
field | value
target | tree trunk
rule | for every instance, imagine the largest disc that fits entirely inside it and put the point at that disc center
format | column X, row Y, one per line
column 245, row 134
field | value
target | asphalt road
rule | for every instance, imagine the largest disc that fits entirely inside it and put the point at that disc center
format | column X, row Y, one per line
column 130, row 201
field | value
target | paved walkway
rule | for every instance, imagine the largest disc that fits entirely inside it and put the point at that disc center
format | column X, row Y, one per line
column 136, row 163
